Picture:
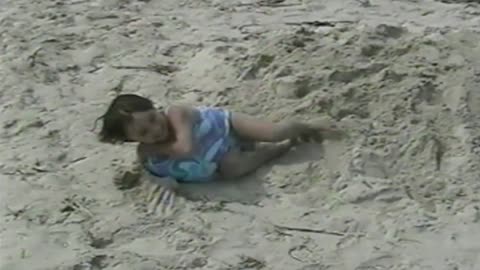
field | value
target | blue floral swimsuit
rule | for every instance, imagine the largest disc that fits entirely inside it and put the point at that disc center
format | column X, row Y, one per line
column 213, row 138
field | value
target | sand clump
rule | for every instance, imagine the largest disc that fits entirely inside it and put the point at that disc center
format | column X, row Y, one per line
column 400, row 191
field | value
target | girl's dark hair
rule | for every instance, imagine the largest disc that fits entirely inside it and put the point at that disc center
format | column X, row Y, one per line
column 118, row 115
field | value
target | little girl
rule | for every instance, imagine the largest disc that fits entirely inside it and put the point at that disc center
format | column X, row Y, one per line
column 197, row 144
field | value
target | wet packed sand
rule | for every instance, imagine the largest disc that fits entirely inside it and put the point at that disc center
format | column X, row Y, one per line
column 400, row 192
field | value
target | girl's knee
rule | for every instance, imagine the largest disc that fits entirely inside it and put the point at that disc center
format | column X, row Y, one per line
column 231, row 166
column 231, row 170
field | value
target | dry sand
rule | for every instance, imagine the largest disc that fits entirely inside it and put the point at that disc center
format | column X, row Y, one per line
column 401, row 192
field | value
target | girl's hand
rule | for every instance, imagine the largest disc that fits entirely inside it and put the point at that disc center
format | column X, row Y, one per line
column 162, row 192
column 162, row 196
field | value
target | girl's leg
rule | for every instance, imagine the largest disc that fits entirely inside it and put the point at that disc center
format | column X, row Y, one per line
column 257, row 129
column 237, row 163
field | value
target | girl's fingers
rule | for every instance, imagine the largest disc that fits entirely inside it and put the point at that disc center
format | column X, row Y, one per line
column 152, row 208
column 165, row 198
column 168, row 202
column 152, row 192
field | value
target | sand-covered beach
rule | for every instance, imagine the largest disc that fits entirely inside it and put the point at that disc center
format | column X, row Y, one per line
column 401, row 78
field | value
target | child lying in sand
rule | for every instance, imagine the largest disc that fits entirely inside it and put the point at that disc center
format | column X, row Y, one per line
column 198, row 144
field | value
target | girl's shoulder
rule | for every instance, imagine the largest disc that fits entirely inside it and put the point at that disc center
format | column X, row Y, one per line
column 205, row 108
column 194, row 112
column 190, row 107
column 180, row 108
column 187, row 106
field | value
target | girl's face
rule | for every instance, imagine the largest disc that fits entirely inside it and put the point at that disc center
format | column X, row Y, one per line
column 148, row 127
